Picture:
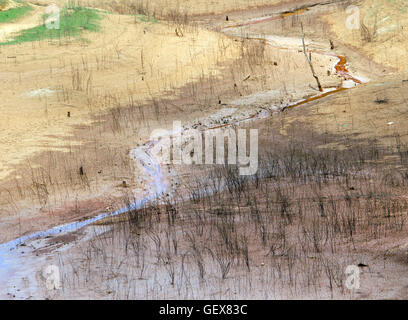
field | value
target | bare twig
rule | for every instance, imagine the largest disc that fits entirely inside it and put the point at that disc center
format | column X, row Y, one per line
column 308, row 58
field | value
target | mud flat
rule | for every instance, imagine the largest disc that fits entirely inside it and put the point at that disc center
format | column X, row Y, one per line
column 204, row 71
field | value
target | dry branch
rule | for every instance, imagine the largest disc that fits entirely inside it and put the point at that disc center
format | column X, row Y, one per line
column 308, row 58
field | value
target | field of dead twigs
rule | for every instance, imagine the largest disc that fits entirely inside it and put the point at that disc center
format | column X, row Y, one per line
column 78, row 106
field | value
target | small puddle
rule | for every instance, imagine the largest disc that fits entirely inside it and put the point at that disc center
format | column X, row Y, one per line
column 341, row 70
column 293, row 13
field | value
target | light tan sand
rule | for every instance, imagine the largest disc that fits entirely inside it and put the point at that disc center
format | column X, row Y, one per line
column 126, row 59
column 388, row 21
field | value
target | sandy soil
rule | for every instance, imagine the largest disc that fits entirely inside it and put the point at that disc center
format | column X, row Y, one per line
column 374, row 111
column 190, row 7
column 142, row 69
column 98, row 82
column 387, row 23
column 31, row 20
column 6, row 5
column 106, row 82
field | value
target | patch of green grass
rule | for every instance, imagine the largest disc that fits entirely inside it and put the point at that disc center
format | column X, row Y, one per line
column 72, row 22
column 14, row 13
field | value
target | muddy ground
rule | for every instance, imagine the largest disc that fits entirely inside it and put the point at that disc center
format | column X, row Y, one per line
column 221, row 72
